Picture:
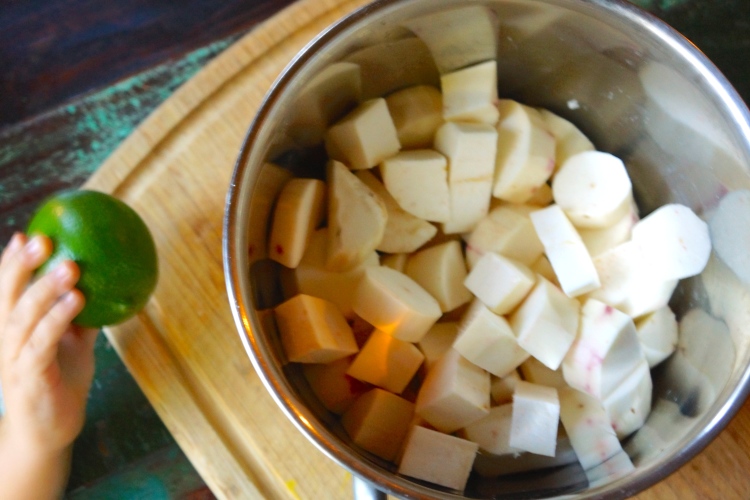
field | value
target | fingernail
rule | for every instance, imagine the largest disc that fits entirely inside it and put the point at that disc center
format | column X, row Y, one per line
column 34, row 247
column 61, row 273
column 15, row 242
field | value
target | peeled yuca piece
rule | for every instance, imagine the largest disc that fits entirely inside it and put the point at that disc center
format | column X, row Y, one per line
column 378, row 422
column 569, row 140
column 536, row 372
column 356, row 219
column 536, row 412
column 492, row 433
column 396, row 304
column 487, row 340
column 599, row 240
column 423, row 446
column 332, row 386
column 299, row 210
column 417, row 113
column 441, row 271
column 628, row 283
column 675, row 241
column 312, row 277
column 313, row 330
column 629, row 403
column 470, row 150
column 588, row 427
column 404, row 232
column 506, row 231
column 470, row 94
column 593, row 189
column 386, row 362
column 500, row 283
column 658, row 334
column 546, row 323
column 426, row 169
column 454, row 394
column 364, row 137
column 565, row 250
column 605, row 351
column 525, row 152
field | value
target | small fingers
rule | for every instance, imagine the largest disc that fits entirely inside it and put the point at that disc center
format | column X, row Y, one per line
column 37, row 303
column 17, row 266
column 50, row 329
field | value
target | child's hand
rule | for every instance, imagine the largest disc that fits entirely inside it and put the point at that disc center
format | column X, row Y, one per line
column 46, row 365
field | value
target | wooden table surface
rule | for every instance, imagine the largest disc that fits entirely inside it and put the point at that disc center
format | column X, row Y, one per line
column 79, row 76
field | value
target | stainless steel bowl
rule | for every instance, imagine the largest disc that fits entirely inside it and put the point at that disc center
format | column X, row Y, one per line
column 633, row 85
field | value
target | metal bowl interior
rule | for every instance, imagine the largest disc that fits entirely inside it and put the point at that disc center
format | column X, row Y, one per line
column 633, row 85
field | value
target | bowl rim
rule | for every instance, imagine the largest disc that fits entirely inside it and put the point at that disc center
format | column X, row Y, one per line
column 729, row 401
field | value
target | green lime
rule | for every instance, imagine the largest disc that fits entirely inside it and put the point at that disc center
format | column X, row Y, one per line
column 112, row 247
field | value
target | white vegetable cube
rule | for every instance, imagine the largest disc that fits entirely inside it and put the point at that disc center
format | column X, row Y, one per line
column 470, row 94
column 313, row 330
column 427, row 169
column 386, row 362
column 441, row 270
column 604, row 353
column 546, row 323
column 569, row 140
column 507, row 232
column 627, row 282
column 565, row 250
column 629, row 403
column 500, row 283
column 454, row 393
column 299, row 210
column 599, row 240
column 356, row 219
column 536, row 372
column 588, row 427
column 675, row 241
column 536, row 411
column 658, row 334
column 417, row 113
column 502, row 388
column 593, row 189
column 394, row 303
column 438, row 340
column 492, row 433
column 403, row 232
column 486, row 339
column 312, row 277
column 364, row 137
column 525, row 153
column 438, row 458
column 378, row 422
column 332, row 386
column 470, row 149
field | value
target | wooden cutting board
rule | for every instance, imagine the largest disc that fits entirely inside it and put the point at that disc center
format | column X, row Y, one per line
column 184, row 350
